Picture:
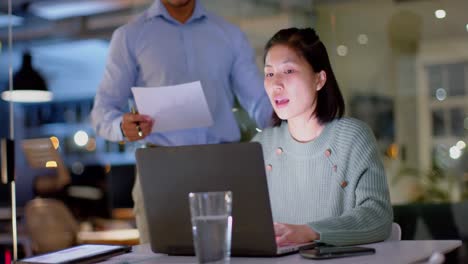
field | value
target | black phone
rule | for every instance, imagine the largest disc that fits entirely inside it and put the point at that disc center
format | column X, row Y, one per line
column 326, row 252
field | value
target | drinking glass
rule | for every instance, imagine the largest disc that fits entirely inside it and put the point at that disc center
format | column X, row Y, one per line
column 211, row 226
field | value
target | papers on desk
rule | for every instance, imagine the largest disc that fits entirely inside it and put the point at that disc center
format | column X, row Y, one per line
column 174, row 107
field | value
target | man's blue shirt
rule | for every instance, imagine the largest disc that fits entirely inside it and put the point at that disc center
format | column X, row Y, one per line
column 157, row 50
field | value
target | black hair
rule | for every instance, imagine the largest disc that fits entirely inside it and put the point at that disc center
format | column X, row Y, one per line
column 330, row 102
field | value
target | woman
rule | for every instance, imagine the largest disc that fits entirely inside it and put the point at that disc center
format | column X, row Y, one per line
column 325, row 178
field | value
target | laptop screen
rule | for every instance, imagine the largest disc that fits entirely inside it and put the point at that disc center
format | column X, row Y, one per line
column 169, row 174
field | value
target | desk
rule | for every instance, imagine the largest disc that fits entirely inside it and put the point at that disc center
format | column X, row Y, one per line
column 406, row 251
column 115, row 237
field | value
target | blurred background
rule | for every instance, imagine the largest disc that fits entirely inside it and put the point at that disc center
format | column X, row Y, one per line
column 402, row 66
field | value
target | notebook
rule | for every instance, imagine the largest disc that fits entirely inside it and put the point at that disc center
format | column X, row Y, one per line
column 169, row 174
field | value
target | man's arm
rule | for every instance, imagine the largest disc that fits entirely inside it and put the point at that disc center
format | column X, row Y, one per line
column 111, row 100
column 248, row 83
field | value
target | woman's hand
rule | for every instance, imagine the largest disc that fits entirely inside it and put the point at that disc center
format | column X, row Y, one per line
column 294, row 234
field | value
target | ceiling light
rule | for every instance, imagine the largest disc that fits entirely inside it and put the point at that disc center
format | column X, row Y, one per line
column 363, row 39
column 81, row 138
column 461, row 144
column 342, row 50
column 441, row 94
column 51, row 164
column 27, row 96
column 28, row 85
column 440, row 13
column 455, row 152
column 55, row 142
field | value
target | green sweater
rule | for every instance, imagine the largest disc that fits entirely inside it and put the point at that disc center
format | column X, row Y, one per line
column 336, row 184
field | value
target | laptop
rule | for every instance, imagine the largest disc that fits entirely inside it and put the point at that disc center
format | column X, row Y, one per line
column 169, row 174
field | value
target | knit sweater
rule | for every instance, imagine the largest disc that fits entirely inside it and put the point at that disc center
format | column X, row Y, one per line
column 336, row 183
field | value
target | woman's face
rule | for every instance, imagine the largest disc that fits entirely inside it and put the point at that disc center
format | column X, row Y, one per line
column 291, row 83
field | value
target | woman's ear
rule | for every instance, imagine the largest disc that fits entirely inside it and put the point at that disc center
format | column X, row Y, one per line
column 322, row 79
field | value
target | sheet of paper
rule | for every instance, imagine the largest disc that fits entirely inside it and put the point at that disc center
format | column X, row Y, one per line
column 174, row 107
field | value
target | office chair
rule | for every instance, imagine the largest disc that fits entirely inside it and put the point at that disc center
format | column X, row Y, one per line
column 86, row 195
column 50, row 224
column 396, row 233
column 41, row 153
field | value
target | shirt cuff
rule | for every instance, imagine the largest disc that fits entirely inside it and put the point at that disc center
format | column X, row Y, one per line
column 117, row 131
column 326, row 236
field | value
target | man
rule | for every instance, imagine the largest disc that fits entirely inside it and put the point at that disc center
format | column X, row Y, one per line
column 174, row 42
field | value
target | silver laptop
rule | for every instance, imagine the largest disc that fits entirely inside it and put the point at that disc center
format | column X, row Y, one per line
column 168, row 174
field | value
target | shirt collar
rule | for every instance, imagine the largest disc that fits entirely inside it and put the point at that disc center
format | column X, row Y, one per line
column 157, row 9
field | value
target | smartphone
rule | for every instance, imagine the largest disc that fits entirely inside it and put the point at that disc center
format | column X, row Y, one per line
column 326, row 252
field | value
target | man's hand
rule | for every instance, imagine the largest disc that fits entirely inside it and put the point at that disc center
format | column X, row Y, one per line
column 294, row 234
column 131, row 121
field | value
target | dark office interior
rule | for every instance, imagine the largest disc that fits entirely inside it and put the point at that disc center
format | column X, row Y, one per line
column 402, row 66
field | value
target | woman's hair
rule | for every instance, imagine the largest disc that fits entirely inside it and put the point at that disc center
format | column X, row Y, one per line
column 306, row 43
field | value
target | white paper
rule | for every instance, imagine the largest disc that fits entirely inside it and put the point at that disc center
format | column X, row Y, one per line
column 174, row 107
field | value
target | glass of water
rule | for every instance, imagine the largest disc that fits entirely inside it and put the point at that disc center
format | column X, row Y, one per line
column 211, row 226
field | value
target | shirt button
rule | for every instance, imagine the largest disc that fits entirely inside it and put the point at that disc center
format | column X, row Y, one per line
column 344, row 184
column 268, row 167
column 328, row 152
column 335, row 168
column 279, row 151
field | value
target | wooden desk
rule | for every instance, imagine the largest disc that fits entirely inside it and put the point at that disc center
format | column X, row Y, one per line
column 114, row 237
column 406, row 251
